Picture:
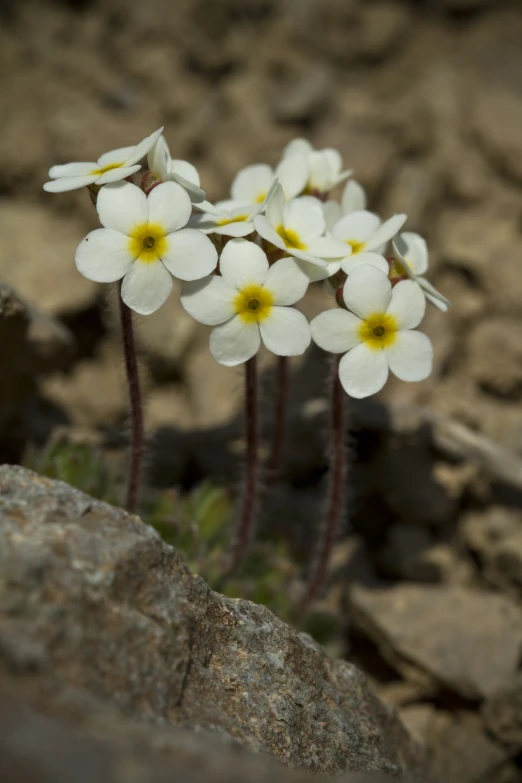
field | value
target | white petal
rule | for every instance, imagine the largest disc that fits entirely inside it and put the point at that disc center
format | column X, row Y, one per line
column 434, row 296
column 141, row 149
column 327, row 247
column 298, row 146
column 190, row 255
column 367, row 290
column 251, row 184
column 242, row 263
column 315, row 273
column 72, row 170
column 286, row 332
column 287, row 281
column 354, row 197
column 122, row 206
column 363, row 371
column 169, row 205
column 408, row 304
column 360, row 259
column 336, row 330
column 412, row 248
column 197, row 196
column 104, row 255
column 275, row 207
column 114, row 156
column 304, row 216
column 185, row 170
column 158, row 159
column 332, row 213
column 69, row 183
column 209, row 300
column 241, row 229
column 115, row 175
column 411, row 356
column 206, row 206
column 265, row 230
column 146, row 287
column 334, row 159
column 292, row 173
column 358, row 226
column 342, row 176
column 386, row 231
column 324, row 167
column 234, row 342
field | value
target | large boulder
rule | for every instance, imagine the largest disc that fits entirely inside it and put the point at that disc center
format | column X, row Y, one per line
column 92, row 601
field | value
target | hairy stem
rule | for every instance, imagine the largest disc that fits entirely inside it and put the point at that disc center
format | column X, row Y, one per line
column 251, row 474
column 279, row 425
column 336, row 493
column 136, row 411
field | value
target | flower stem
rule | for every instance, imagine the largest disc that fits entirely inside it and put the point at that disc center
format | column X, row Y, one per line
column 279, row 424
column 136, row 411
column 251, row 475
column 336, row 493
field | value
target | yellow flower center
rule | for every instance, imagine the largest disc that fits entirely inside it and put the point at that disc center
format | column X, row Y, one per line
column 290, row 238
column 148, row 242
column 253, row 303
column 357, row 247
column 378, row 330
column 397, row 269
column 260, row 197
column 108, row 167
column 227, row 221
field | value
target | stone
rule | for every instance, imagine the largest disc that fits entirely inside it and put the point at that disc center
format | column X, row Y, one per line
column 411, row 554
column 91, row 599
column 417, row 719
column 31, row 344
column 467, row 641
column 503, row 713
column 43, row 244
column 496, row 118
column 504, row 568
column 495, row 350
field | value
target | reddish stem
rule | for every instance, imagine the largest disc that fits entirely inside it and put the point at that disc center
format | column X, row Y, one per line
column 136, row 412
column 251, row 476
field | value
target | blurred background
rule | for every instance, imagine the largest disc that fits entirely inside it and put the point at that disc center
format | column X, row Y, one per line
column 424, row 101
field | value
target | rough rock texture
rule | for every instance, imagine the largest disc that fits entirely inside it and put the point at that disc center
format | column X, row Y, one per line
column 467, row 641
column 91, row 598
column 30, row 343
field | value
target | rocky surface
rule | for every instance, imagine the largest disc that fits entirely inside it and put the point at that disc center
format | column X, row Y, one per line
column 91, row 599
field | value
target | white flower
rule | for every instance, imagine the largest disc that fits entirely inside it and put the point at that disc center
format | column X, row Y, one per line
column 377, row 335
column 252, row 184
column 144, row 242
column 227, row 218
column 165, row 169
column 367, row 238
column 411, row 258
column 354, row 199
column 111, row 167
column 298, row 228
column 248, row 304
column 324, row 166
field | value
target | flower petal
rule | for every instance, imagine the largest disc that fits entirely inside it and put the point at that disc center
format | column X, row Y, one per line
column 122, row 206
column 332, row 213
column 328, row 247
column 190, row 255
column 287, row 281
column 197, row 196
column 234, row 342
column 265, row 230
column 315, row 273
column 209, row 300
column 434, row 296
column 251, row 184
column 104, row 256
column 358, row 226
column 363, row 371
column 367, row 290
column 298, row 146
column 413, row 249
column 292, row 173
column 360, row 259
column 169, row 205
column 141, row 149
column 275, row 207
column 115, row 175
column 242, row 263
column 408, row 304
column 304, row 215
column 146, row 287
column 69, row 183
column 286, row 332
column 336, row 330
column 411, row 356
column 158, row 159
column 72, row 170
column 241, row 229
column 185, row 169
column 114, row 156
column 354, row 198
column 386, row 231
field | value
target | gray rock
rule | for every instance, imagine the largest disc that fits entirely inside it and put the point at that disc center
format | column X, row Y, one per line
column 464, row 640
column 30, row 344
column 503, row 713
column 92, row 599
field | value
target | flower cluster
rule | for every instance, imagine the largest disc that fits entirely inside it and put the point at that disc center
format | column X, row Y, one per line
column 247, row 260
